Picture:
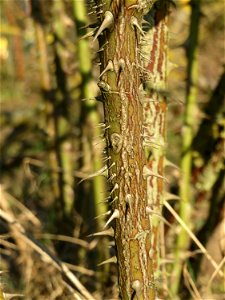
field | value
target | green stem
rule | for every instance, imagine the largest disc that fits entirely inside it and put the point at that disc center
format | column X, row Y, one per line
column 45, row 82
column 186, row 202
column 89, row 114
column 63, row 120
column 91, row 135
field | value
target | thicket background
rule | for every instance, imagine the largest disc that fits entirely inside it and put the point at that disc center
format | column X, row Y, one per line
column 52, row 137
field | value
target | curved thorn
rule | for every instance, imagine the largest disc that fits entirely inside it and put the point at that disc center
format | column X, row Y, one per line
column 102, row 215
column 102, row 171
column 134, row 22
column 109, row 67
column 108, row 261
column 147, row 172
column 109, row 232
column 115, row 215
column 107, row 23
column 169, row 196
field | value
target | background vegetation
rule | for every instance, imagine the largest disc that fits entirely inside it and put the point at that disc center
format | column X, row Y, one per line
column 52, row 143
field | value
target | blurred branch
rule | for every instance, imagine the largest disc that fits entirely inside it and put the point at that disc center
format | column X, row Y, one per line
column 17, row 229
column 185, row 209
column 205, row 139
column 192, row 236
column 89, row 119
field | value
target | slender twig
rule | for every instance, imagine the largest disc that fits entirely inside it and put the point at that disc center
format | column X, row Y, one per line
column 18, row 229
column 215, row 273
column 193, row 237
column 191, row 285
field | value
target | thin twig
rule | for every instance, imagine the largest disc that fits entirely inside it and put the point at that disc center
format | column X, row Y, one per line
column 193, row 237
column 191, row 285
column 6, row 196
column 215, row 273
column 64, row 238
column 80, row 269
column 47, row 257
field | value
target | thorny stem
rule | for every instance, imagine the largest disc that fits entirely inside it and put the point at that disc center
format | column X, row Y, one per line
column 120, row 86
column 155, row 118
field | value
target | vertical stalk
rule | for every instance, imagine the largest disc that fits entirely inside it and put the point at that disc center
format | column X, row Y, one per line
column 1, row 294
column 120, row 84
column 64, row 144
column 17, row 41
column 51, row 118
column 91, row 133
column 155, row 120
column 186, row 202
column 89, row 114
column 45, row 82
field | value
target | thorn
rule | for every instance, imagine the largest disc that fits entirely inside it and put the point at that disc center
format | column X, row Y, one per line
column 109, row 67
column 107, row 23
column 103, row 46
column 102, row 215
column 91, row 25
column 134, row 22
column 106, row 200
column 108, row 261
column 104, row 86
column 116, row 198
column 170, row 164
column 145, row 22
column 109, row 232
column 109, row 126
column 103, row 171
column 170, row 196
column 97, row 6
column 133, row 6
column 87, row 35
column 122, row 63
column 87, row 99
column 107, row 157
column 112, row 165
column 136, row 286
column 116, row 186
column 101, row 125
column 152, row 212
column 112, row 177
column 128, row 199
column 91, row 13
column 147, row 172
column 99, row 12
column 115, row 215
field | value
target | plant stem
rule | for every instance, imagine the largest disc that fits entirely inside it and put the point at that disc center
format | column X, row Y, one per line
column 45, row 81
column 120, row 62
column 185, row 210
column 89, row 113
column 155, row 109
column 64, row 144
